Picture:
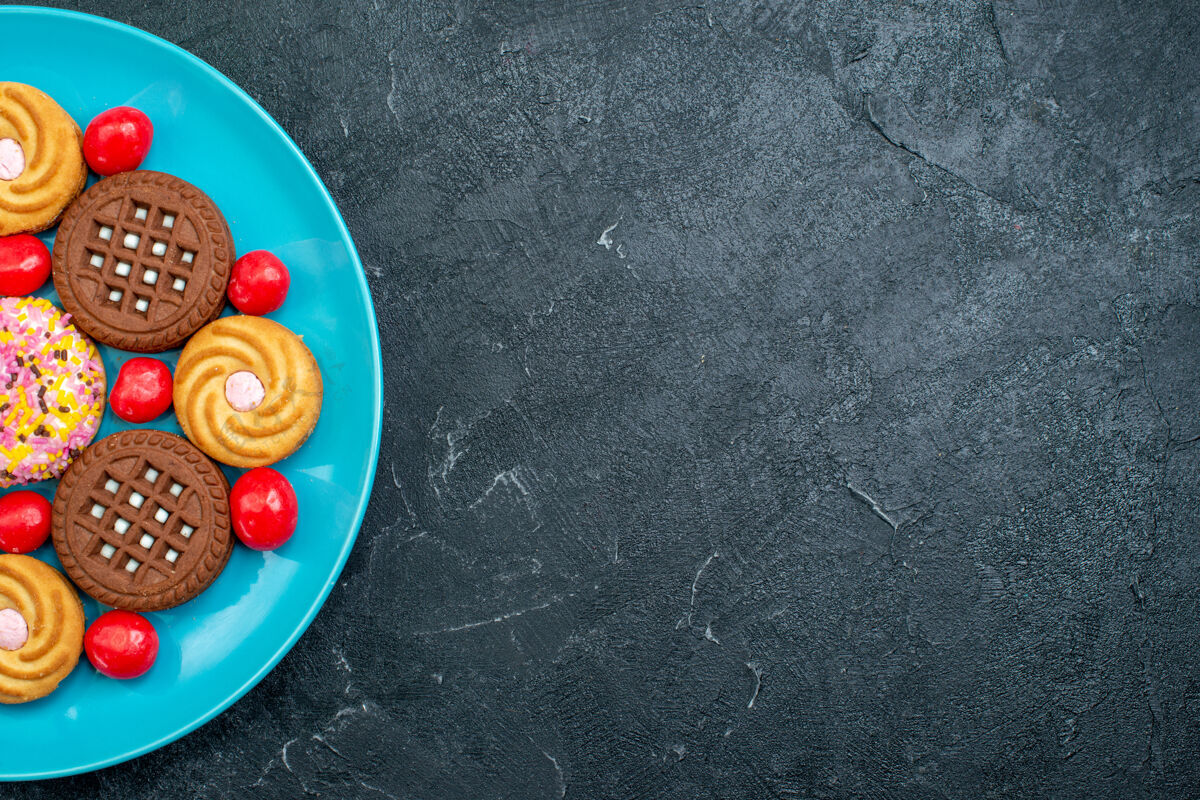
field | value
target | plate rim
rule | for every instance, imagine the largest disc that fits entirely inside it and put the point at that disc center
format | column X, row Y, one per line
column 377, row 391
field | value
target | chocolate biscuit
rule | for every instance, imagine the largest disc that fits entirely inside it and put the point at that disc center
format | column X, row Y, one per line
column 141, row 521
column 142, row 261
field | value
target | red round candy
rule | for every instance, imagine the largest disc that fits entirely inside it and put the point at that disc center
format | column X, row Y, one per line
column 117, row 140
column 24, row 264
column 264, row 509
column 24, row 521
column 121, row 644
column 259, row 283
column 142, row 391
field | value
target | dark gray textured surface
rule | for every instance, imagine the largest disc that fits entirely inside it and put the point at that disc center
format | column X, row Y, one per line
column 942, row 252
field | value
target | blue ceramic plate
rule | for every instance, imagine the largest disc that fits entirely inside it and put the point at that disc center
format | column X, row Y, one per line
column 216, row 647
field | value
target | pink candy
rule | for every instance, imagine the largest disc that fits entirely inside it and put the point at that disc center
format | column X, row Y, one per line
column 12, row 159
column 244, row 391
column 14, row 632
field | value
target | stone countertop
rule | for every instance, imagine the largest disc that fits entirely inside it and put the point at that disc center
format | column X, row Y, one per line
column 783, row 400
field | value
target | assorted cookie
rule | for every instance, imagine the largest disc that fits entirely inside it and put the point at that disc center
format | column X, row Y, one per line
column 41, row 628
column 247, row 391
column 141, row 521
column 41, row 159
column 51, row 391
column 142, row 261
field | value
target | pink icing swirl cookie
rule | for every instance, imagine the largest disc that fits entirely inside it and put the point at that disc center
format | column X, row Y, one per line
column 52, row 391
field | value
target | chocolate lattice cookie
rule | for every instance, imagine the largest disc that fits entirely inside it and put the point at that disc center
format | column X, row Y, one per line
column 141, row 521
column 142, row 261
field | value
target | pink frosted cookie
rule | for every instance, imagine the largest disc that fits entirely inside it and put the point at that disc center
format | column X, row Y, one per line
column 51, row 391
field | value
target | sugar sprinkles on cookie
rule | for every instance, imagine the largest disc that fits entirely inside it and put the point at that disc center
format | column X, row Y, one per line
column 53, row 391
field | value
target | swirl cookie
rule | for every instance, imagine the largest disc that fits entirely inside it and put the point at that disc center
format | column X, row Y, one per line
column 247, row 391
column 141, row 521
column 41, row 629
column 51, row 391
column 41, row 159
column 142, row 261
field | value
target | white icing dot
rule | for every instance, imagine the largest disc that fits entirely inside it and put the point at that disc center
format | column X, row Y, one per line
column 150, row 276
column 107, row 551
column 172, row 555
column 188, row 255
column 168, row 220
column 142, row 304
column 123, row 268
column 141, row 212
column 111, row 486
column 105, row 232
column 115, row 295
column 96, row 260
column 97, row 511
column 187, row 531
column 159, row 249
column 176, row 489
column 121, row 526
column 161, row 515
column 132, row 240
column 132, row 565
column 151, row 474
column 136, row 500
column 179, row 284
column 147, row 541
